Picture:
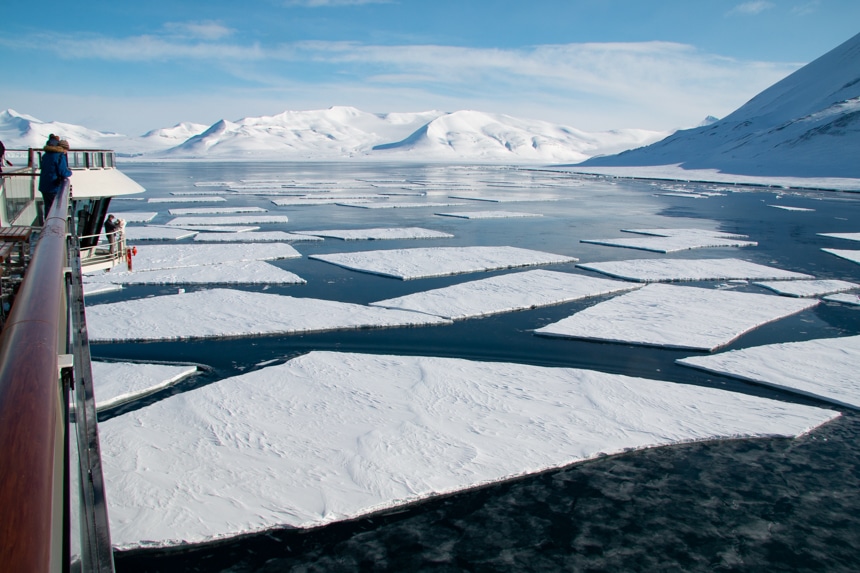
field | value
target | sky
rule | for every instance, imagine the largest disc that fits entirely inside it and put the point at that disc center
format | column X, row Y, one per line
column 594, row 65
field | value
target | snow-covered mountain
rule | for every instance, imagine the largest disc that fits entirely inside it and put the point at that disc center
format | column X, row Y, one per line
column 345, row 133
column 808, row 124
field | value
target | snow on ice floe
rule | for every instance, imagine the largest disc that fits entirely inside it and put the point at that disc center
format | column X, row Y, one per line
column 853, row 256
column 134, row 217
column 252, row 237
column 427, row 262
column 233, row 272
column 787, row 208
column 500, row 199
column 673, row 240
column 844, row 298
column 215, row 210
column 93, row 288
column 309, row 201
column 393, row 205
column 332, row 436
column 808, row 288
column 824, row 368
column 213, row 229
column 236, row 220
column 505, row 293
column 116, row 383
column 676, row 317
column 156, row 257
column 384, row 233
column 489, row 214
column 847, row 236
column 153, row 233
column 188, row 199
column 658, row 270
column 226, row 313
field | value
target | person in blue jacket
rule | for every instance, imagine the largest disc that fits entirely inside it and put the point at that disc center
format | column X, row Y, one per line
column 55, row 170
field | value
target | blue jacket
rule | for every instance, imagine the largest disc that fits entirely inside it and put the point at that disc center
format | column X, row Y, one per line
column 55, row 169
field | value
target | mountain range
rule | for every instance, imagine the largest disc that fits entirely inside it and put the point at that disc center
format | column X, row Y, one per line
column 806, row 125
column 340, row 133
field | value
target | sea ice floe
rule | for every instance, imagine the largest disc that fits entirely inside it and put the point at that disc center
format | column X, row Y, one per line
column 682, row 194
column 234, row 220
column 808, row 288
column 393, row 205
column 319, row 200
column 657, row 270
column 505, row 293
column 116, row 383
column 489, row 214
column 150, row 258
column 252, row 237
column 215, row 210
column 440, row 261
column 331, row 436
column 847, row 236
column 188, row 199
column 226, row 313
column 134, row 216
column 824, row 368
column 212, row 229
column 381, row 233
column 676, row 317
column 500, row 199
column 844, row 298
column 151, row 233
column 93, row 288
column 787, row 208
column 233, row 272
column 674, row 240
column 853, row 256
column 686, row 232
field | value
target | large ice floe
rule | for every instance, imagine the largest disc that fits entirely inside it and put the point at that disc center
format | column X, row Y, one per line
column 661, row 270
column 135, row 216
column 505, row 293
column 332, row 436
column 844, row 298
column 254, row 237
column 148, row 233
column 787, row 208
column 384, row 233
column 232, row 272
column 676, row 317
column 824, row 368
column 393, row 205
column 231, row 220
column 156, row 257
column 440, row 261
column 187, row 199
column 215, row 210
column 226, row 313
column 806, row 288
column 853, row 256
column 673, row 240
column 116, row 383
column 489, row 215
column 846, row 236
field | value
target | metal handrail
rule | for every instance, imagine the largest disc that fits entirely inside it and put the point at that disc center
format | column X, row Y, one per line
column 31, row 411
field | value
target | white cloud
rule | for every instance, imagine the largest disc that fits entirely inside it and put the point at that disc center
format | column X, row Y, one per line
column 203, row 30
column 806, row 8
column 752, row 8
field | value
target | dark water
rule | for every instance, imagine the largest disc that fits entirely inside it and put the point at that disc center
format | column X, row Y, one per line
column 747, row 505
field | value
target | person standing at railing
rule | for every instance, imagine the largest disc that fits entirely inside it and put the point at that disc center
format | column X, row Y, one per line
column 112, row 225
column 3, row 160
column 55, row 170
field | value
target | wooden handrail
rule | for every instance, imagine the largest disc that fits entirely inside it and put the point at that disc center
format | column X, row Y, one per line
column 31, row 412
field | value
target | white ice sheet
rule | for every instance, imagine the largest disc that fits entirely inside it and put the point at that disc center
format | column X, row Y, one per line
column 251, row 237
column 233, row 272
column 225, row 313
column 93, row 288
column 848, row 236
column 216, row 210
column 654, row 270
column 316, row 200
column 844, row 298
column 676, row 317
column 133, row 234
column 381, row 233
column 154, row 257
column 505, row 293
column 187, row 199
column 671, row 244
column 134, row 216
column 787, row 208
column 440, row 261
column 807, row 288
column 853, row 256
column 328, row 437
column 234, row 220
column 824, row 368
column 116, row 383
column 489, row 215
column 393, row 205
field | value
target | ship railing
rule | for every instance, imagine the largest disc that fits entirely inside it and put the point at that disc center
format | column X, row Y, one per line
column 53, row 513
column 108, row 251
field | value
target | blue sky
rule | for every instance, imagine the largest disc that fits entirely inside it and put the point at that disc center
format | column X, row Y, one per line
column 590, row 64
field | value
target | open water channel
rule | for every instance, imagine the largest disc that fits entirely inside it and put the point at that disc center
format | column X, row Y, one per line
column 743, row 505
